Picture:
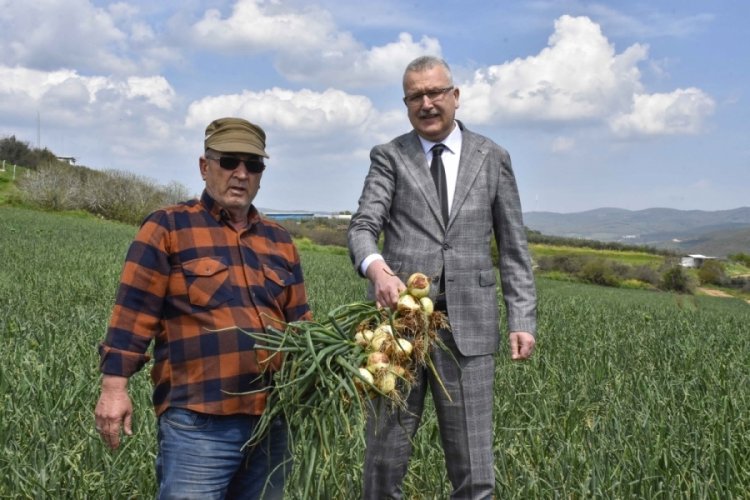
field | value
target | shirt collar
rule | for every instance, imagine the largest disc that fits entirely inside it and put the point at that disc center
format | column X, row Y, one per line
column 219, row 214
column 452, row 142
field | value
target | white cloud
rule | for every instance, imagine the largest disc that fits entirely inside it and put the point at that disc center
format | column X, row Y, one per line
column 682, row 111
column 356, row 66
column 54, row 34
column 303, row 113
column 307, row 45
column 49, row 34
column 67, row 89
column 155, row 89
column 255, row 25
column 580, row 78
column 577, row 77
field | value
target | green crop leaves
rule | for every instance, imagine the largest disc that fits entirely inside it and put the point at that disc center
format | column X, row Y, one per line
column 630, row 394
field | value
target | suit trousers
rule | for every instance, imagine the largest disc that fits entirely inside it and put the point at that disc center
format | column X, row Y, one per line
column 465, row 424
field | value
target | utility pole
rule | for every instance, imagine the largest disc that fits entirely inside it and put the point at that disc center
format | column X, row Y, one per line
column 38, row 131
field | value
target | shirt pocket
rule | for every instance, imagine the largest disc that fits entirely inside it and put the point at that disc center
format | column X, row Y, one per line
column 207, row 280
column 277, row 280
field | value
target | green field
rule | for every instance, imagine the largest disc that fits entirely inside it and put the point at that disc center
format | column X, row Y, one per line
column 631, row 394
column 633, row 258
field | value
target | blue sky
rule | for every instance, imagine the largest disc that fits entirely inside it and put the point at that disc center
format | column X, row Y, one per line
column 601, row 104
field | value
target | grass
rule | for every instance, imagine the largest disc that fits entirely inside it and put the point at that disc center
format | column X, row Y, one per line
column 9, row 192
column 633, row 258
column 631, row 394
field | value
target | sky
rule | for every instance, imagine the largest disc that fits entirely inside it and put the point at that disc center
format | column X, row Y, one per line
column 628, row 104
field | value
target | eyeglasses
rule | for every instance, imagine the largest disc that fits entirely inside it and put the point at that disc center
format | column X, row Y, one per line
column 253, row 165
column 432, row 95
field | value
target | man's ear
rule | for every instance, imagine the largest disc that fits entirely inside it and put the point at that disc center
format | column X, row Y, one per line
column 203, row 165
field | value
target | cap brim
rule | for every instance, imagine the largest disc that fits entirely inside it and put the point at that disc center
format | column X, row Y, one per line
column 237, row 147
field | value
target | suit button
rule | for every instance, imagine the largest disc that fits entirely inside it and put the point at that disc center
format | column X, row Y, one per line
column 446, row 246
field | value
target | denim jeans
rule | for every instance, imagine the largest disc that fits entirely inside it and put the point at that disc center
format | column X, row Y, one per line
column 200, row 457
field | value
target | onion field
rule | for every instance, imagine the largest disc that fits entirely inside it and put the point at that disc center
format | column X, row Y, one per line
column 630, row 394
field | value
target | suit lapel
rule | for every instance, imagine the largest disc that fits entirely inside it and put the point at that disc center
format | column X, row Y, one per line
column 415, row 161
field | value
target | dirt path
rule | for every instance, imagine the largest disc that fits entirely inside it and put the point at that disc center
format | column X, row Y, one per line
column 716, row 293
column 713, row 293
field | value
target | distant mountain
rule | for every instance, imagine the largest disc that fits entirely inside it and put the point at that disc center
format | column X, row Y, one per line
column 717, row 233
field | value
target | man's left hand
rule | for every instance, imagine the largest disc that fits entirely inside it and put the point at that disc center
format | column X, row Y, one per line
column 521, row 345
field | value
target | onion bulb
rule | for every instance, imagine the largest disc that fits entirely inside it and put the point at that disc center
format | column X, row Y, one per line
column 407, row 303
column 387, row 382
column 403, row 347
column 427, row 306
column 398, row 370
column 366, row 375
column 359, row 338
column 381, row 337
column 384, row 328
column 418, row 285
column 380, row 341
column 377, row 362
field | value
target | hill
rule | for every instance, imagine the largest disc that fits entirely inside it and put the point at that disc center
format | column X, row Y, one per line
column 719, row 233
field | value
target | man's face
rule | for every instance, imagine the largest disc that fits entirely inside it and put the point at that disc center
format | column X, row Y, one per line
column 431, row 115
column 233, row 189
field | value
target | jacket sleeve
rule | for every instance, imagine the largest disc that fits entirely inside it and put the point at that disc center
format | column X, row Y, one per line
column 517, row 278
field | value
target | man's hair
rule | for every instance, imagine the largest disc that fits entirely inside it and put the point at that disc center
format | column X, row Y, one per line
column 428, row 62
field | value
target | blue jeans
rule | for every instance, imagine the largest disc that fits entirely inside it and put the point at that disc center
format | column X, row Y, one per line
column 200, row 457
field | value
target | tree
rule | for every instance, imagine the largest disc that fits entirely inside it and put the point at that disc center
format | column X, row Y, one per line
column 676, row 279
column 712, row 272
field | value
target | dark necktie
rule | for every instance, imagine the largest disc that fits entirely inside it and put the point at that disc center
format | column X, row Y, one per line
column 438, row 176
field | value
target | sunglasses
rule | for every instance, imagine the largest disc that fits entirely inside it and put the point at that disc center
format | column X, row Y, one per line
column 253, row 165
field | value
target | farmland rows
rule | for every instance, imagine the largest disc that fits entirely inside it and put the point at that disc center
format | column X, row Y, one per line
column 631, row 393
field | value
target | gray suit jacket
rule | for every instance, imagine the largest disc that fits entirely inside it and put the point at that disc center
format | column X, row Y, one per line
column 399, row 199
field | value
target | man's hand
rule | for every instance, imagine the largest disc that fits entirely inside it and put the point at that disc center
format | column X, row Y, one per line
column 114, row 410
column 521, row 345
column 388, row 286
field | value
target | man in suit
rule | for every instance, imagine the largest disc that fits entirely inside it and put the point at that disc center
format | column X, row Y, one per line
column 402, row 201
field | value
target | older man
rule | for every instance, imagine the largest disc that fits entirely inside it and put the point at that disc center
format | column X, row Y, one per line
column 196, row 275
column 438, row 194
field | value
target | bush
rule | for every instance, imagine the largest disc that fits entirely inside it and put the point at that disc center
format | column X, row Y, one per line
column 712, row 272
column 320, row 230
column 740, row 258
column 565, row 263
column 676, row 279
column 645, row 274
column 112, row 194
column 635, row 284
column 599, row 272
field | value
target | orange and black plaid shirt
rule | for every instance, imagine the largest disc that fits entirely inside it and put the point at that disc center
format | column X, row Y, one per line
column 193, row 284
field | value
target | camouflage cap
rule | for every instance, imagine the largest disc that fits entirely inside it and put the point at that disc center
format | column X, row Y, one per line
column 235, row 135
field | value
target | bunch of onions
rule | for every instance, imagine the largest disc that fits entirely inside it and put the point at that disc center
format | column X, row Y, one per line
column 333, row 369
column 400, row 343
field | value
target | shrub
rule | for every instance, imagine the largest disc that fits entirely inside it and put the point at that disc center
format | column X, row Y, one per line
column 741, row 258
column 712, row 273
column 564, row 263
column 635, row 284
column 598, row 272
column 112, row 194
column 645, row 274
column 676, row 279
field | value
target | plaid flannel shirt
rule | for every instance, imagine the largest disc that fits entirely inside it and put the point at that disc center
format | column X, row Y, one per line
column 191, row 283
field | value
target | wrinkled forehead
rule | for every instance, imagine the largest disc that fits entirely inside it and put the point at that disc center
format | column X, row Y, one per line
column 432, row 77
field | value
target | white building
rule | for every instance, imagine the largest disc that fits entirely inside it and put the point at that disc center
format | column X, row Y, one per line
column 694, row 260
